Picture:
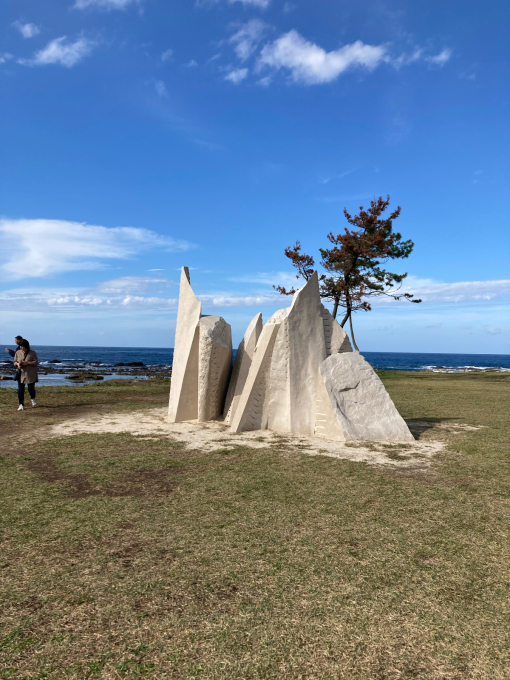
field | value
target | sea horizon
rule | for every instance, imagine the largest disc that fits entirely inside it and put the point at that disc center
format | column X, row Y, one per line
column 147, row 348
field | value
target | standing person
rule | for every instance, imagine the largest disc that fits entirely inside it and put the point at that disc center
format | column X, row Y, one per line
column 26, row 360
column 17, row 340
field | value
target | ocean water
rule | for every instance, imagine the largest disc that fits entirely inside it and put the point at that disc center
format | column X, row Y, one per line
column 106, row 357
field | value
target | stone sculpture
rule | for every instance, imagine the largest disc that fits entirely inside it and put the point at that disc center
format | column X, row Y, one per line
column 296, row 375
column 352, row 403
column 184, row 386
column 280, row 390
column 214, row 366
column 242, row 365
column 202, row 360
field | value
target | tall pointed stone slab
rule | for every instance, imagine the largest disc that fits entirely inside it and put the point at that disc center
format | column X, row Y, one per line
column 352, row 403
column 280, row 391
column 184, row 386
column 299, row 349
column 250, row 413
column 244, row 357
column 307, row 349
column 214, row 366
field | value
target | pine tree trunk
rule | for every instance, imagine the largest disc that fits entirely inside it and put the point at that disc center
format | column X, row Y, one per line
column 335, row 309
column 344, row 320
column 352, row 333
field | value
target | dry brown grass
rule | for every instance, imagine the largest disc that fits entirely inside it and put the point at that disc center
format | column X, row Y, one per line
column 123, row 557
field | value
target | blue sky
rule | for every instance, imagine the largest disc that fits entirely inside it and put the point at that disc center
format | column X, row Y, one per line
column 140, row 136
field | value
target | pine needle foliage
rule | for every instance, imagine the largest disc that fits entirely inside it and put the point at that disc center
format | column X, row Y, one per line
column 353, row 265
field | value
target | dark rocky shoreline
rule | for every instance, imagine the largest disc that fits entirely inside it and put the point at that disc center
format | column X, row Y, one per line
column 94, row 370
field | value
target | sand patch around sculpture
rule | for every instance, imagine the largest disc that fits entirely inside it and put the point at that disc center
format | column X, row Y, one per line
column 213, row 435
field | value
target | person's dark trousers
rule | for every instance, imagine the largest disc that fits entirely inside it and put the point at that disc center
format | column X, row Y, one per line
column 21, row 392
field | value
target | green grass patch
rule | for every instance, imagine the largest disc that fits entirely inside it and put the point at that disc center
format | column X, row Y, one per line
column 128, row 557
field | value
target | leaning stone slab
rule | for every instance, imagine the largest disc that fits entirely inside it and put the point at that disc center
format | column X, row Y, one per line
column 352, row 403
column 214, row 366
column 184, row 386
column 244, row 357
column 250, row 413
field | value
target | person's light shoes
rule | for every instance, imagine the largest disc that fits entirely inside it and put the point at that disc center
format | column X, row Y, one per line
column 34, row 403
column 21, row 407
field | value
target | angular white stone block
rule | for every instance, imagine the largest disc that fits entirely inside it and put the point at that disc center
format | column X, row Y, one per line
column 352, row 403
column 183, row 403
column 336, row 338
column 244, row 357
column 280, row 391
column 214, row 366
column 250, row 413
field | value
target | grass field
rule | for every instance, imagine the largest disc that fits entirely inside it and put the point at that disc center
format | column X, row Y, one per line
column 125, row 556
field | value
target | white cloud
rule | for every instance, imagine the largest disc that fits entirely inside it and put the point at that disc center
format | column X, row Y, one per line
column 405, row 59
column 310, row 64
column 131, row 284
column 62, row 52
column 38, row 248
column 441, row 58
column 264, row 82
column 262, row 4
column 191, row 63
column 430, row 291
column 160, row 88
column 5, row 56
column 493, row 331
column 247, row 37
column 166, row 55
column 104, row 4
column 27, row 30
column 237, row 75
column 434, row 292
column 121, row 294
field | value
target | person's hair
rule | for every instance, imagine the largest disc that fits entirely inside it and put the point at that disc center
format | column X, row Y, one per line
column 25, row 344
column 19, row 337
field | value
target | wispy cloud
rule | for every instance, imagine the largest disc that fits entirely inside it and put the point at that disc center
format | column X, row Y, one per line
column 167, row 55
column 434, row 292
column 160, row 88
column 236, row 75
column 41, row 248
column 310, row 64
column 122, row 294
column 62, row 52
column 5, row 56
column 441, row 58
column 105, row 4
column 262, row 4
column 246, row 39
column 191, row 63
column 27, row 30
column 341, row 175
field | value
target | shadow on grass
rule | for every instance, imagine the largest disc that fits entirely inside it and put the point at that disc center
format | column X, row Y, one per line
column 420, row 425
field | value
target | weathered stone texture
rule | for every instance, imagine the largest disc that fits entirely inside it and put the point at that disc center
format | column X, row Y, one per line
column 214, row 366
column 183, row 403
column 353, row 403
column 244, row 357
